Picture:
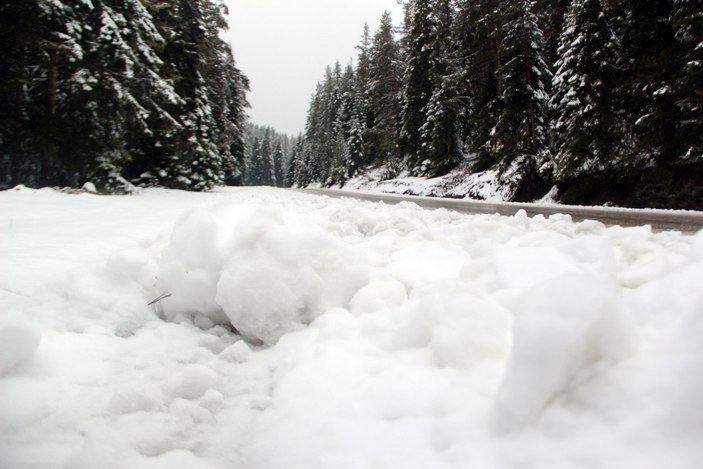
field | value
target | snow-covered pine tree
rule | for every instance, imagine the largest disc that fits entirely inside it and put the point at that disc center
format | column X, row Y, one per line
column 278, row 179
column 417, row 80
column 262, row 171
column 645, row 86
column 92, row 77
column 382, row 135
column 294, row 162
column 688, row 28
column 478, row 41
column 519, row 140
column 129, row 90
column 112, row 88
column 362, row 75
column 354, row 156
column 349, row 124
column 586, row 125
column 438, row 134
column 253, row 171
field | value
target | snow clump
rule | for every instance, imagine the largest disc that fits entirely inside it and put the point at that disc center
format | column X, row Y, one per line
column 264, row 275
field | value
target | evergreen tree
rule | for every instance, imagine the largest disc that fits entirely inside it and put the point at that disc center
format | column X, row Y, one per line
column 382, row 136
column 262, row 172
column 645, row 88
column 253, row 167
column 520, row 136
column 688, row 27
column 439, row 145
column 478, row 33
column 417, row 80
column 474, row 79
column 105, row 89
column 278, row 156
column 295, row 162
column 586, row 127
column 362, row 75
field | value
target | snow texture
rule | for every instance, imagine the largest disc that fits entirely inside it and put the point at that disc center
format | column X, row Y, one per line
column 370, row 335
column 459, row 183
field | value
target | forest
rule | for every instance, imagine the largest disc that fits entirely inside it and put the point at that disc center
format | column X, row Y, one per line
column 601, row 98
column 122, row 93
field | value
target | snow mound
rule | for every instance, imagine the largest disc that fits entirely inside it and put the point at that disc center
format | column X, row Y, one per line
column 278, row 277
column 261, row 273
column 190, row 267
column 394, row 336
column 561, row 328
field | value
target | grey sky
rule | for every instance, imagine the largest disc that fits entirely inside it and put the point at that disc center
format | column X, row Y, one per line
column 283, row 46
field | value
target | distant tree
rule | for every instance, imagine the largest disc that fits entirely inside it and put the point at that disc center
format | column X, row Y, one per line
column 278, row 157
column 264, row 163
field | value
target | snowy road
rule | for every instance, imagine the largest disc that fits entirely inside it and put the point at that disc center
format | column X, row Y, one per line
column 376, row 336
column 686, row 221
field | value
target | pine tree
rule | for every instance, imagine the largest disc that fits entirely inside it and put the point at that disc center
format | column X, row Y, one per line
column 520, row 136
column 417, row 80
column 278, row 179
column 479, row 56
column 253, row 166
column 362, row 76
column 645, row 87
column 263, row 164
column 587, row 126
column 438, row 134
column 382, row 136
column 105, row 89
column 688, row 27
column 295, row 163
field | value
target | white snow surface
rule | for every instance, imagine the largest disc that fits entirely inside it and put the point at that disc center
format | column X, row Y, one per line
column 459, row 184
column 374, row 336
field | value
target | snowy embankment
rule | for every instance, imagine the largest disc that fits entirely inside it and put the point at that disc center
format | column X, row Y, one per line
column 459, row 183
column 376, row 336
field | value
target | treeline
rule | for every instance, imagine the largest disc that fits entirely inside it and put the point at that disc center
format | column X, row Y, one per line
column 603, row 98
column 119, row 92
column 268, row 157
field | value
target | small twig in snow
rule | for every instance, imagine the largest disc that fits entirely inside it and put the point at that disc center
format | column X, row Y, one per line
column 161, row 297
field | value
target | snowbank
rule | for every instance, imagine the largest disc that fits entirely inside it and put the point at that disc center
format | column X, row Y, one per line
column 371, row 336
column 459, row 183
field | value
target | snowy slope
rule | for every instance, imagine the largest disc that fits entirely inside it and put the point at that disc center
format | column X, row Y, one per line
column 459, row 183
column 376, row 336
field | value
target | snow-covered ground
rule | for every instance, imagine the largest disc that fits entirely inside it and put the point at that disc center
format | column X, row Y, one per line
column 459, row 183
column 376, row 336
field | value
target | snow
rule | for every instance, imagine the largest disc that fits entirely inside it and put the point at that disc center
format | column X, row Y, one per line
column 459, row 183
column 374, row 335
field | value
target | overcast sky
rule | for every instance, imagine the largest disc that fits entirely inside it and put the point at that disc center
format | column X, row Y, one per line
column 283, row 46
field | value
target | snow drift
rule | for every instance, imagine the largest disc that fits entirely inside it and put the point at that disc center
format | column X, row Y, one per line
column 374, row 336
